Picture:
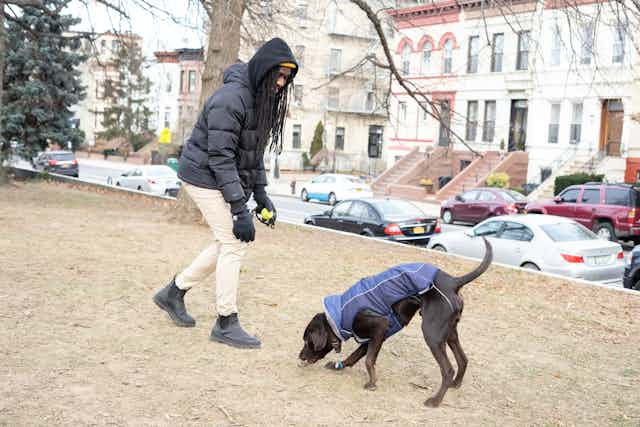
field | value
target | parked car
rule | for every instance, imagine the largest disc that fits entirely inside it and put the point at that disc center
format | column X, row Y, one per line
column 332, row 188
column 631, row 277
column 612, row 211
column 391, row 219
column 60, row 162
column 481, row 203
column 156, row 179
column 540, row 242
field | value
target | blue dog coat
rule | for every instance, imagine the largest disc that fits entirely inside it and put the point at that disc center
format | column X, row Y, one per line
column 378, row 293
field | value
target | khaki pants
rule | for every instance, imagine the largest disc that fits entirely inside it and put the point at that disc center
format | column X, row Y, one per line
column 223, row 256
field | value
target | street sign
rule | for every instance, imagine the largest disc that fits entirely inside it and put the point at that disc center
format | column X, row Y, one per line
column 165, row 136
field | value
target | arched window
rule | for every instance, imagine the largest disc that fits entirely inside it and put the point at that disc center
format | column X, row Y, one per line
column 448, row 57
column 426, row 57
column 406, row 60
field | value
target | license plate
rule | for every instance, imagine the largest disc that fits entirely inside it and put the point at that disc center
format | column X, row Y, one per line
column 358, row 189
column 601, row 260
column 65, row 166
column 418, row 230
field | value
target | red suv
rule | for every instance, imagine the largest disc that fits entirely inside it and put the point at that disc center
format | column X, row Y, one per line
column 612, row 211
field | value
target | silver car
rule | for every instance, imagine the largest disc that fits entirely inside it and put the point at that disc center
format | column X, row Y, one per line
column 539, row 242
column 156, row 179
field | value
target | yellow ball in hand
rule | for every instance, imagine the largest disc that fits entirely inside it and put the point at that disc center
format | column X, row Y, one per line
column 266, row 214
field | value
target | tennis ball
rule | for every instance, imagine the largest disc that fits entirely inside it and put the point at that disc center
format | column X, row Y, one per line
column 266, row 214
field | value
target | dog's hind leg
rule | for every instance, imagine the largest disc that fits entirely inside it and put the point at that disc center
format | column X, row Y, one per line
column 461, row 358
column 436, row 337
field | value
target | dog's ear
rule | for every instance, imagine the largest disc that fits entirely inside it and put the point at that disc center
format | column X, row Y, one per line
column 336, row 344
column 318, row 338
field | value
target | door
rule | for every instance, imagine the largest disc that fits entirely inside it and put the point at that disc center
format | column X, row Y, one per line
column 611, row 126
column 567, row 205
column 513, row 241
column 134, row 180
column 340, row 217
column 586, row 208
column 315, row 187
column 518, row 124
column 481, row 209
column 362, row 219
column 462, row 210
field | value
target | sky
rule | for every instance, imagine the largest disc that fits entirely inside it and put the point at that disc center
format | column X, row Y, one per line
column 155, row 26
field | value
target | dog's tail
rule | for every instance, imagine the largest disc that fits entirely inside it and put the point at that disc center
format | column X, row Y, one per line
column 473, row 275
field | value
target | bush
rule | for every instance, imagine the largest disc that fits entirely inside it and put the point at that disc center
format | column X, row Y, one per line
column 498, row 179
column 565, row 181
column 306, row 163
column 316, row 142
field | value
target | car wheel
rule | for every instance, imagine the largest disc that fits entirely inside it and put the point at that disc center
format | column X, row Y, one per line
column 166, row 193
column 332, row 199
column 439, row 248
column 636, row 286
column 309, row 222
column 139, row 188
column 447, row 217
column 304, row 195
column 605, row 231
column 530, row 266
column 367, row 233
column 117, row 183
column 109, row 180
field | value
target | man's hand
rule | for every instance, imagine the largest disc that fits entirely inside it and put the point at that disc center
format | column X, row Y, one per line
column 243, row 227
column 264, row 202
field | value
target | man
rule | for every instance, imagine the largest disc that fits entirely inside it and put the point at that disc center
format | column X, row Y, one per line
column 222, row 164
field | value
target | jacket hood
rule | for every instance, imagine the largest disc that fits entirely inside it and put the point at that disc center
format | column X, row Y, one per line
column 270, row 55
column 237, row 73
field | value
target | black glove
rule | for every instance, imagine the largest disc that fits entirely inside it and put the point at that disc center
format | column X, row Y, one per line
column 243, row 227
column 264, row 202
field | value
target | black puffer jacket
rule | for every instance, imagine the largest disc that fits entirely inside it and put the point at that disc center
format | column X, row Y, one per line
column 222, row 152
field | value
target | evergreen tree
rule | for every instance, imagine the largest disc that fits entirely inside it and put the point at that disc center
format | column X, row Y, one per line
column 41, row 80
column 128, row 116
column 316, row 143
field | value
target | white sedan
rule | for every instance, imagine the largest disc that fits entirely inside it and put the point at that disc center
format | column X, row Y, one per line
column 156, row 179
column 333, row 187
column 539, row 242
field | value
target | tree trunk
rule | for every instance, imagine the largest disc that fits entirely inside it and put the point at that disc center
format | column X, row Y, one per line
column 3, row 171
column 223, row 45
column 223, row 49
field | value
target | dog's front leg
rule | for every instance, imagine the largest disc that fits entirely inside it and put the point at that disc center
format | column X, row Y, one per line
column 351, row 360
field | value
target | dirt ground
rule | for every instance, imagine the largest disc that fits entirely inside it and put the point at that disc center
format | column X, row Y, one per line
column 81, row 342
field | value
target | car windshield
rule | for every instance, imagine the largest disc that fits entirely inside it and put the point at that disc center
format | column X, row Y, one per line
column 513, row 196
column 396, row 210
column 62, row 156
column 161, row 171
column 567, row 232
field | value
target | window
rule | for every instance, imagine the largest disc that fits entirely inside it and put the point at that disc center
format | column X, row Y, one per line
column 554, row 123
column 181, row 81
column 497, row 50
column 522, row 61
column 341, row 210
column 617, row 196
column 169, row 83
column 301, row 13
column 368, row 106
column 568, row 232
column 297, row 136
column 374, row 148
column 445, row 123
column 515, row 231
column 470, row 196
column 192, row 81
column 618, row 45
column 339, row 139
column 576, row 124
column 332, row 13
column 334, row 97
column 472, row 120
column 489, row 123
column 472, row 55
column 100, row 89
column 334, row 61
column 108, row 89
column 591, row 196
column 115, row 45
column 488, row 228
column 297, row 94
column 486, row 196
column 555, row 46
column 406, row 60
column 402, row 113
column 358, row 210
column 587, row 44
column 299, row 54
column 447, row 65
column 422, row 113
column 570, row 195
column 426, row 57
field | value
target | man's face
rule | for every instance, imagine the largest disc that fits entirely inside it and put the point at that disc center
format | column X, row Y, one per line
column 284, row 74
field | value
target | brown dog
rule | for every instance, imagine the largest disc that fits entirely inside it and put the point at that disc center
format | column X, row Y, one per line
column 371, row 322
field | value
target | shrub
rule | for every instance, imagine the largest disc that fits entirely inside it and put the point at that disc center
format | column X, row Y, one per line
column 306, row 163
column 564, row 181
column 316, row 142
column 498, row 179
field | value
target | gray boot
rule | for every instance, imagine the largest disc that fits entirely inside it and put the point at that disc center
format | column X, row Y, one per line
column 171, row 299
column 227, row 330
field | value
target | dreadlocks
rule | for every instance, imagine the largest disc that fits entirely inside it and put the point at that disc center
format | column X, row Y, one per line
column 271, row 108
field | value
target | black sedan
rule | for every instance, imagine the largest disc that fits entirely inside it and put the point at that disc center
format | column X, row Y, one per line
column 60, row 162
column 396, row 220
